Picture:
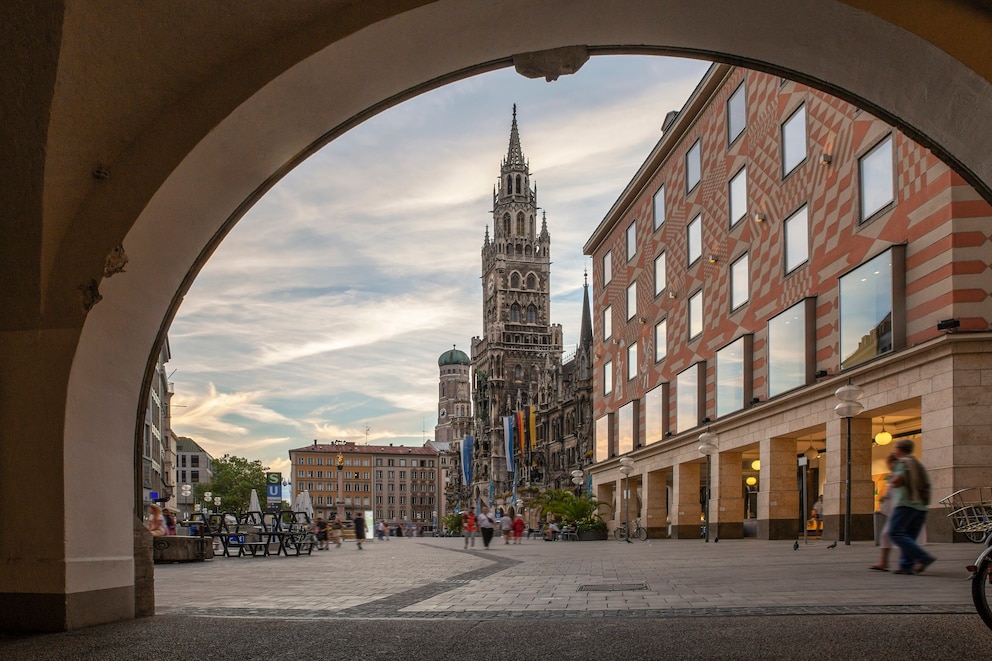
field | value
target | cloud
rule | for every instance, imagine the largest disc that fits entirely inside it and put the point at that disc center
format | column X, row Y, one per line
column 325, row 309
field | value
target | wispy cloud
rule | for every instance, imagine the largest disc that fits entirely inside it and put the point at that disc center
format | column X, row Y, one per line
column 324, row 311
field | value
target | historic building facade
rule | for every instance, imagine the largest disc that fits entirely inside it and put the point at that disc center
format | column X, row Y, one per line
column 776, row 245
column 399, row 484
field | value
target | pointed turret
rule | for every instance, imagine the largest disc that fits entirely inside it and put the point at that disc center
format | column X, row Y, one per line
column 514, row 155
column 585, row 331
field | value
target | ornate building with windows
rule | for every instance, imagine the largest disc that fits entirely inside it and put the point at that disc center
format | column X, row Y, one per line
column 776, row 245
column 517, row 364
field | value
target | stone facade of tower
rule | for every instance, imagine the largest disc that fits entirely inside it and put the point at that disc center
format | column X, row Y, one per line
column 520, row 351
column 454, row 397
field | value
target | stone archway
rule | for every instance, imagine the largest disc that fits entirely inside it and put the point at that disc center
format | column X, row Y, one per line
column 115, row 135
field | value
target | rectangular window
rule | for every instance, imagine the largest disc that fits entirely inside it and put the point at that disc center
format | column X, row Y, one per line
column 661, row 340
column 655, row 410
column 736, row 114
column 607, row 377
column 866, row 311
column 660, row 276
column 194, row 476
column 694, row 238
column 787, row 350
column 740, row 282
column 730, row 378
column 659, row 207
column 797, row 239
column 687, row 399
column 625, row 428
column 693, row 167
column 632, row 361
column 631, row 300
column 607, row 322
column 738, row 197
column 794, row 140
column 696, row 314
column 877, row 179
column 631, row 240
column 602, row 439
column 607, row 267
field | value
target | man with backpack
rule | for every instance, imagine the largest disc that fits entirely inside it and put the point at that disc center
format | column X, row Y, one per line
column 910, row 487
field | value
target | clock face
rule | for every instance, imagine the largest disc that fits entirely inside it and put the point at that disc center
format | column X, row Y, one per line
column 442, row 413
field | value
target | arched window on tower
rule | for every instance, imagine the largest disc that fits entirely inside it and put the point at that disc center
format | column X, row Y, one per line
column 531, row 314
column 531, row 281
column 518, row 372
column 515, row 313
column 532, row 233
column 506, row 224
column 509, row 184
column 520, row 249
column 520, row 223
column 527, row 250
column 518, row 183
column 515, row 281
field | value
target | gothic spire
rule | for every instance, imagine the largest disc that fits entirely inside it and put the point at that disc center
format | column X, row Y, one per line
column 514, row 155
column 585, row 331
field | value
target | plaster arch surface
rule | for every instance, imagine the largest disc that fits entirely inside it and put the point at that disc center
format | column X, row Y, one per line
column 224, row 119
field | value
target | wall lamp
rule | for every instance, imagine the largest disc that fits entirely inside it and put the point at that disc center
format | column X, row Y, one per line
column 826, row 159
column 948, row 324
column 821, row 373
column 760, row 217
column 671, row 294
column 713, row 259
column 755, row 400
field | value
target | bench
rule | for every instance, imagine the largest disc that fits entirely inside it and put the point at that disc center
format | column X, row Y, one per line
column 177, row 548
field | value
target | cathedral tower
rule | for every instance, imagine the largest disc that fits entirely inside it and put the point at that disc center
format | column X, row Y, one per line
column 520, row 346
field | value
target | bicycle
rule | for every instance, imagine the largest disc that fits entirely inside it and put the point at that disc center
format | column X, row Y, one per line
column 970, row 515
column 624, row 530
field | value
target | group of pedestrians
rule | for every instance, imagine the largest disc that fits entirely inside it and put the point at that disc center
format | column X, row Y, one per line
column 905, row 504
column 485, row 524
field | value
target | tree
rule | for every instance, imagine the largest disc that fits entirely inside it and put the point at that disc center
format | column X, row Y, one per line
column 234, row 478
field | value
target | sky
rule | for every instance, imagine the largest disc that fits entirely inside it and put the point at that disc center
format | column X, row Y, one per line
column 322, row 315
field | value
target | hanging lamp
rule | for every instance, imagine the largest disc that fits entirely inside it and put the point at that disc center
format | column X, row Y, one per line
column 883, row 437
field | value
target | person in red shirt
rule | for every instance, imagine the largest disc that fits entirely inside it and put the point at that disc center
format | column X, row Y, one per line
column 469, row 526
column 518, row 529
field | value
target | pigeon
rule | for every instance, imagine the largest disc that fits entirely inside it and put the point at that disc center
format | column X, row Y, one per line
column 716, row 541
column 795, row 547
column 833, row 546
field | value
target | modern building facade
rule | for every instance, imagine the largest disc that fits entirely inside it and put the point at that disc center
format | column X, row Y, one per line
column 193, row 466
column 399, row 484
column 776, row 245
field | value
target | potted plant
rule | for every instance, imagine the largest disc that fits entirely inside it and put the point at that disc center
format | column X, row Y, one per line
column 591, row 528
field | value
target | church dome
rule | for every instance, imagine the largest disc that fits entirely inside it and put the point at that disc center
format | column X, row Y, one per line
column 453, row 357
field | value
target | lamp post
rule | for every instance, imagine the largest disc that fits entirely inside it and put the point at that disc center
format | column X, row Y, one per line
column 707, row 446
column 577, row 476
column 626, row 466
column 207, row 495
column 849, row 406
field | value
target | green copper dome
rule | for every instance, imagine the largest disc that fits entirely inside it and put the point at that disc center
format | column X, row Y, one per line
column 453, row 357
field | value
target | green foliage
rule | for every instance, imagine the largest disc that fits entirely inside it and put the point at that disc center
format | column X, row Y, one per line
column 453, row 522
column 234, row 478
column 581, row 511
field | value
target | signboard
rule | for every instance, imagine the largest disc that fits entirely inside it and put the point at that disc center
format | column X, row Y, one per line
column 273, row 490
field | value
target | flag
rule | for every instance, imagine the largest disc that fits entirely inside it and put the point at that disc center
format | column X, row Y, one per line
column 508, row 442
column 532, row 426
column 521, row 431
column 467, row 449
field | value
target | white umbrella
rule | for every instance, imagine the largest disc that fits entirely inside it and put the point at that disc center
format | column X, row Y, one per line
column 307, row 505
column 253, row 504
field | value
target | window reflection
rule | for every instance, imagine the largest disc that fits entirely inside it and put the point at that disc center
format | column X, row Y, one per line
column 796, row 240
column 687, row 399
column 877, row 180
column 654, row 415
column 696, row 315
column 738, row 197
column 693, row 167
column 866, row 311
column 625, row 428
column 794, row 140
column 694, row 239
column 730, row 378
column 736, row 114
column 659, row 207
column 603, row 438
column 787, row 350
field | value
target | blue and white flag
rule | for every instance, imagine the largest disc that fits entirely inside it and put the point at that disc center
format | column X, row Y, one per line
column 467, row 450
column 508, row 442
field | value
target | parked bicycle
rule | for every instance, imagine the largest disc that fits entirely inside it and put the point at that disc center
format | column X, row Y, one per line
column 969, row 515
column 631, row 528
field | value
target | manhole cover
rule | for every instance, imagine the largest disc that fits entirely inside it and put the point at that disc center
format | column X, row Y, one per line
column 613, row 587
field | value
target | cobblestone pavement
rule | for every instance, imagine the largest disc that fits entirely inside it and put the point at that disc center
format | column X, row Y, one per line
column 437, row 578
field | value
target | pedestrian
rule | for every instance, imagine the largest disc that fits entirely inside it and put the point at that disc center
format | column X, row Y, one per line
column 469, row 526
column 322, row 544
column 486, row 526
column 885, row 507
column 337, row 528
column 380, row 531
column 359, row 530
column 156, row 524
column 818, row 514
column 170, row 522
column 506, row 527
column 518, row 529
column 911, row 500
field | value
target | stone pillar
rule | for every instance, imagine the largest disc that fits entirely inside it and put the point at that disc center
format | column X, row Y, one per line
column 655, row 495
column 605, row 493
column 835, row 486
column 144, row 571
column 686, row 519
column 727, row 504
column 778, row 495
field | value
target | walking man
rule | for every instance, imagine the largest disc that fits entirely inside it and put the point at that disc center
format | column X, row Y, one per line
column 469, row 526
column 359, row 529
column 911, row 498
column 486, row 526
column 506, row 527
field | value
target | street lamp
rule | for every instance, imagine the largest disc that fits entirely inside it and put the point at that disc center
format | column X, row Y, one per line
column 206, row 499
column 707, row 446
column 577, row 476
column 626, row 466
column 849, row 406
column 186, row 490
column 217, row 503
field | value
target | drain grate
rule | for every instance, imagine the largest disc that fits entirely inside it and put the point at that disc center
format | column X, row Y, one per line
column 613, row 587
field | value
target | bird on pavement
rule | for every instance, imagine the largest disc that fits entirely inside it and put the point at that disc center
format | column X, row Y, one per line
column 833, row 546
column 795, row 547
